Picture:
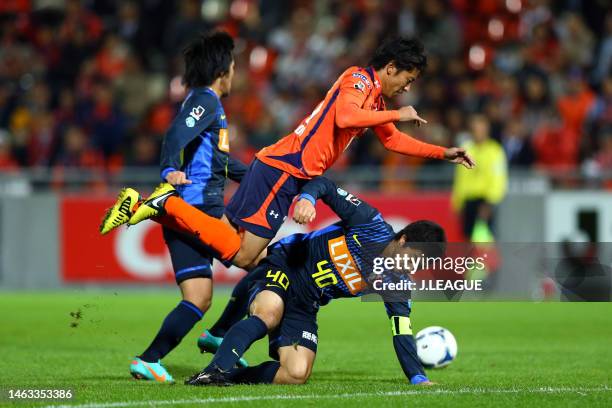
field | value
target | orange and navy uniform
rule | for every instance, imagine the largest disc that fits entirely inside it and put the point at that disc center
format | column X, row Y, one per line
column 353, row 104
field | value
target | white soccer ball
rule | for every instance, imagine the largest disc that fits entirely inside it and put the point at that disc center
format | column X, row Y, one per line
column 436, row 347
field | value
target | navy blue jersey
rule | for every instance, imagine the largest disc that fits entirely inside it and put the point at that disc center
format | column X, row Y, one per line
column 197, row 143
column 339, row 258
column 337, row 261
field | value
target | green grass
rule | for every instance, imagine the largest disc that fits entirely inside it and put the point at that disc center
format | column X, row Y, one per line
column 510, row 354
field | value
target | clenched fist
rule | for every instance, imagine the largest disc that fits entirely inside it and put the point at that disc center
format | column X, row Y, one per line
column 304, row 212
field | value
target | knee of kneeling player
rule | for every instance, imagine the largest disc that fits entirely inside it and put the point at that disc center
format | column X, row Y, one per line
column 269, row 318
column 299, row 372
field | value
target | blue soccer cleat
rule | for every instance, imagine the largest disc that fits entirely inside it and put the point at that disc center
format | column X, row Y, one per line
column 141, row 370
column 207, row 343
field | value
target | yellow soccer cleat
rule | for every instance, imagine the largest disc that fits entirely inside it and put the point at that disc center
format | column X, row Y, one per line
column 153, row 206
column 121, row 211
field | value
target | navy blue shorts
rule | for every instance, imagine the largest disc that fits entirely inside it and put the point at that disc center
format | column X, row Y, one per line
column 261, row 203
column 299, row 323
column 190, row 258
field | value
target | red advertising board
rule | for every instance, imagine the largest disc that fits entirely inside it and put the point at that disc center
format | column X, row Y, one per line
column 138, row 254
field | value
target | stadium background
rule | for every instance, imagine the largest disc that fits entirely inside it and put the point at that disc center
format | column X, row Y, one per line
column 87, row 89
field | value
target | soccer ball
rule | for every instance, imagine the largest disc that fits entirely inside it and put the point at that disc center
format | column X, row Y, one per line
column 436, row 347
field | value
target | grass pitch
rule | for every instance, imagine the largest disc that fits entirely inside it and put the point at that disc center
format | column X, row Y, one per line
column 510, row 354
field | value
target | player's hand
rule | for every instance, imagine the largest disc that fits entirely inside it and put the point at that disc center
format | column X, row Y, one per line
column 458, row 155
column 304, row 212
column 408, row 113
column 177, row 178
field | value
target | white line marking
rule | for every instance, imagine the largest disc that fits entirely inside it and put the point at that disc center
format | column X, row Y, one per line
column 247, row 398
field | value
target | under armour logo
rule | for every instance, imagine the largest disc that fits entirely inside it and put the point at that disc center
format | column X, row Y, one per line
column 274, row 214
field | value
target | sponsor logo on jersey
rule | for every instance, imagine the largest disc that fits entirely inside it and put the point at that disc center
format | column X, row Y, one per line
column 197, row 112
column 359, row 85
column 363, row 78
column 341, row 192
column 190, row 122
column 353, row 200
column 310, row 336
column 345, row 264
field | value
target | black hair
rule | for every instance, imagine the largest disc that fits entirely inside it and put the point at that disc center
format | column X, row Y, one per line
column 207, row 57
column 406, row 53
column 426, row 236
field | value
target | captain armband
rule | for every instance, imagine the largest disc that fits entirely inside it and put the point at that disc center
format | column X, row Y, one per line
column 400, row 325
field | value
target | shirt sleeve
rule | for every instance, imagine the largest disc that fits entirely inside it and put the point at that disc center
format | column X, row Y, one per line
column 236, row 169
column 197, row 114
column 351, row 209
column 400, row 142
column 403, row 341
column 353, row 92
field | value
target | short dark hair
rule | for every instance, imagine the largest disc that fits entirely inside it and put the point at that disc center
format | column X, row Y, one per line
column 207, row 57
column 406, row 53
column 426, row 236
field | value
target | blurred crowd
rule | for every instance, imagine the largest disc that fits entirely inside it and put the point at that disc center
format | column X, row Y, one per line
column 95, row 84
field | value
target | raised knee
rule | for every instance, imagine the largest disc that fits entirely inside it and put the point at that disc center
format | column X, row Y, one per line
column 270, row 319
column 201, row 302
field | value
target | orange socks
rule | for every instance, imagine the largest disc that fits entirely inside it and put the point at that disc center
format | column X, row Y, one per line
column 210, row 230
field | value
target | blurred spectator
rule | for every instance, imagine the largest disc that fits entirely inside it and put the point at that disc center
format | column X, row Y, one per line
column 183, row 27
column 604, row 59
column 110, row 60
column 575, row 103
column 555, row 145
column 577, row 42
column 517, row 145
column 599, row 119
column 439, row 29
column 603, row 159
column 477, row 192
column 146, row 152
column 106, row 121
column 7, row 162
column 76, row 151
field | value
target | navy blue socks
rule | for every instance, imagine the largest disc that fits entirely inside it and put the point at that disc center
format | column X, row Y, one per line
column 236, row 341
column 261, row 374
column 175, row 326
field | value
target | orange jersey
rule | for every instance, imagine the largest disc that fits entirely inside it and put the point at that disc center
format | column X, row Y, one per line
column 353, row 104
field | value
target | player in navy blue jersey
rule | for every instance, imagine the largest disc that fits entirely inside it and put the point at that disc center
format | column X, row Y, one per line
column 304, row 271
column 195, row 159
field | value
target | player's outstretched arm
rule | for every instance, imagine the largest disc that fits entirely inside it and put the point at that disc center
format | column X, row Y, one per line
column 349, row 107
column 400, row 142
column 404, row 344
column 197, row 114
column 350, row 209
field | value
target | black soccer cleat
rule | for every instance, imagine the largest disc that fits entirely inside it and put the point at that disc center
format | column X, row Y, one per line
column 210, row 377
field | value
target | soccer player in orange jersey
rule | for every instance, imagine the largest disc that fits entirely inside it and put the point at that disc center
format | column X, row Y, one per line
column 353, row 104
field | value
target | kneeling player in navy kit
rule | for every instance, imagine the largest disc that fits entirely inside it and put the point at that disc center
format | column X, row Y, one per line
column 304, row 271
